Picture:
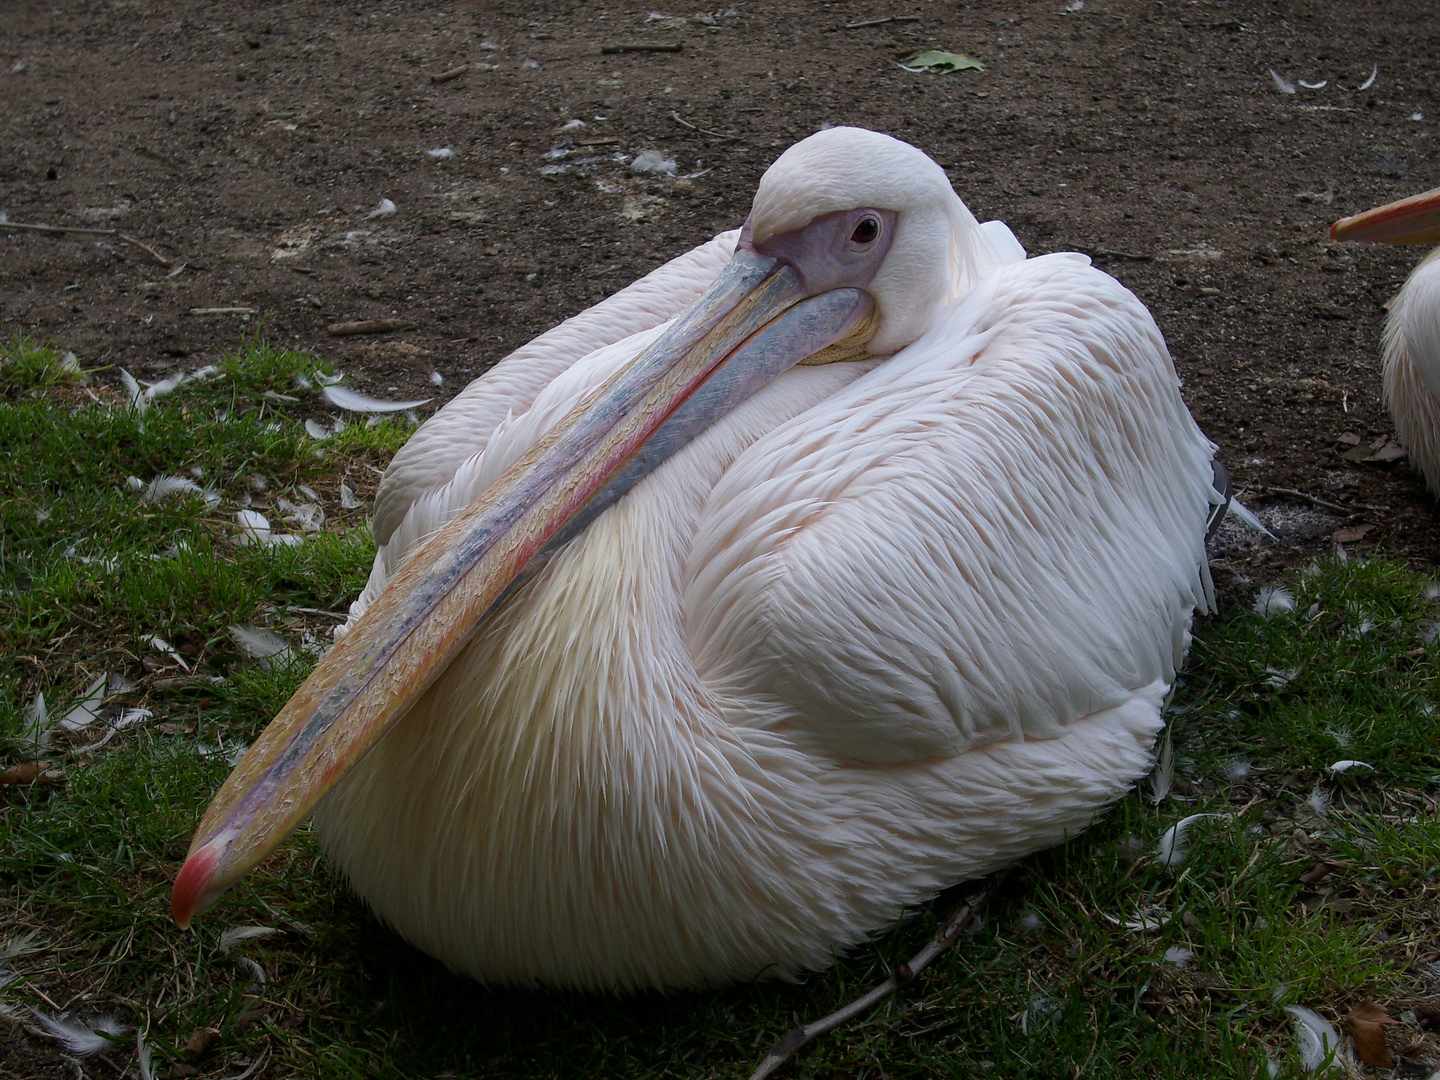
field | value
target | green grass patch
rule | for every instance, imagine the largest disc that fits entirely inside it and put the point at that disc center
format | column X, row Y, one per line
column 1098, row 958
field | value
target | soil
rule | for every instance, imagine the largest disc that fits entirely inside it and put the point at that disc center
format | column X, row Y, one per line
column 251, row 142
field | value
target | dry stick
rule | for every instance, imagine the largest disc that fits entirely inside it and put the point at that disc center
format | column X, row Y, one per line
column 1292, row 493
column 703, row 131
column 453, row 73
column 1112, row 253
column 125, row 237
column 880, row 22
column 145, row 248
column 945, row 936
column 369, row 326
column 611, row 50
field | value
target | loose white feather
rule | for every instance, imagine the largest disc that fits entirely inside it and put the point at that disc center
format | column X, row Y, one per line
column 351, row 401
column 1273, row 600
column 143, row 1057
column 35, row 728
column 1178, row 956
column 1164, row 775
column 237, row 934
column 87, row 710
column 257, row 973
column 259, row 643
column 1347, row 765
column 125, row 719
column 1319, row 1041
column 1171, row 850
column 163, row 487
column 81, row 1038
column 1148, row 919
column 22, row 945
column 136, row 396
column 160, row 645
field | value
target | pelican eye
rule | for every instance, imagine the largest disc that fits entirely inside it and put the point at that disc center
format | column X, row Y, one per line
column 866, row 231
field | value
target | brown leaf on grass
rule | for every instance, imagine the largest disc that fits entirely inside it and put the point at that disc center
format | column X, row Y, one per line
column 1365, row 1023
column 200, row 1042
column 38, row 773
column 1319, row 872
column 1350, row 534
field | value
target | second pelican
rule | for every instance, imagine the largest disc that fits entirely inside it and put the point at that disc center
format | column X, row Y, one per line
column 1410, row 364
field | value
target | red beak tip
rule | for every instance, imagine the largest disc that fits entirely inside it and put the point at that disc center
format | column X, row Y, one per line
column 189, row 896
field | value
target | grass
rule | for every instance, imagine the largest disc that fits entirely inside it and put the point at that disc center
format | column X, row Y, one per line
column 1050, row 983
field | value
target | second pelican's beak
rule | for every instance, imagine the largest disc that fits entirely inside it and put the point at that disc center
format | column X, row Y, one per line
column 752, row 324
column 1415, row 220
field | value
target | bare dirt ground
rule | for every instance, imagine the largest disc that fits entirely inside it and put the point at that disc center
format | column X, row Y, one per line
column 251, row 142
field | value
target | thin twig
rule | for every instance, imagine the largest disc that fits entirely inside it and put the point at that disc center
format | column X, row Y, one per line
column 1113, row 254
column 703, row 131
column 452, row 73
column 369, row 326
column 124, row 237
column 944, row 937
column 1353, row 508
column 58, row 228
column 611, row 50
column 880, row 22
column 145, row 248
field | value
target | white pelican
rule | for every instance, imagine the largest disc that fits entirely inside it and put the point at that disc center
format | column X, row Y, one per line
column 896, row 617
column 1410, row 369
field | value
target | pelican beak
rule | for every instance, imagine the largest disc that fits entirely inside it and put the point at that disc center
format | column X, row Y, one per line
column 754, row 322
column 1415, row 220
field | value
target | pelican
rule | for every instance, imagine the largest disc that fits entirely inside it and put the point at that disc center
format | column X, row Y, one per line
column 1410, row 365
column 846, row 557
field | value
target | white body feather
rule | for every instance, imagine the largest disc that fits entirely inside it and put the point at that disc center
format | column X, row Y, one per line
column 890, row 625
column 1411, row 372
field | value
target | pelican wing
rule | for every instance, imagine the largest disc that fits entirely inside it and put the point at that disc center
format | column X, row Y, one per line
column 996, row 532
column 464, row 427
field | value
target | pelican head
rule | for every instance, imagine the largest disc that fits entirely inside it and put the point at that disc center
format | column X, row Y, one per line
column 854, row 243
column 926, row 253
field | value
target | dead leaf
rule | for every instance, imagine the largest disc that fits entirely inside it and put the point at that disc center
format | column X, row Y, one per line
column 1319, row 872
column 200, row 1042
column 1351, row 533
column 1388, row 452
column 1357, row 452
column 1365, row 1023
column 254, row 1011
column 1348, row 438
column 38, row 773
column 935, row 60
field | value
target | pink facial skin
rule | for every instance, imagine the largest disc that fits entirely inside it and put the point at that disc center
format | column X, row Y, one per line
column 841, row 250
